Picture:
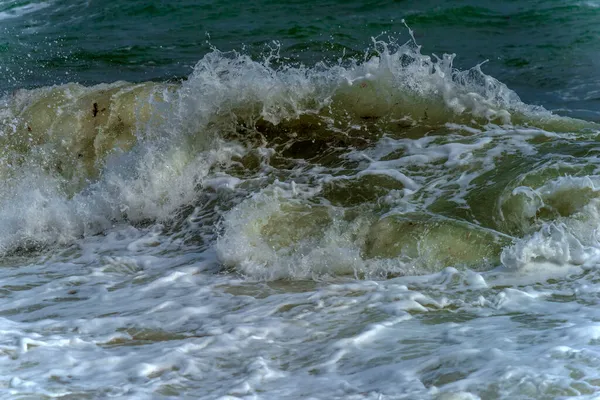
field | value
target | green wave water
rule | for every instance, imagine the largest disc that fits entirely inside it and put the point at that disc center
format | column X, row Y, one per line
column 544, row 50
column 349, row 200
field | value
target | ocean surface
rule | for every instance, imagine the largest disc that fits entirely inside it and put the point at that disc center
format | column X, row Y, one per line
column 300, row 200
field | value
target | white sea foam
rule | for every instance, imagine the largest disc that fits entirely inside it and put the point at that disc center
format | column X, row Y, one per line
column 152, row 324
column 454, row 299
column 8, row 11
column 170, row 138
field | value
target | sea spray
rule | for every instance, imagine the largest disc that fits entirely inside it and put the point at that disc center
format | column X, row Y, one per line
column 384, row 226
column 409, row 131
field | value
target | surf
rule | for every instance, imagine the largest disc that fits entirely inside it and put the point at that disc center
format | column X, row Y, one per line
column 279, row 146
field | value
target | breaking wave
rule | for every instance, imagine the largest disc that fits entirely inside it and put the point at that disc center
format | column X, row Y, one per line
column 375, row 167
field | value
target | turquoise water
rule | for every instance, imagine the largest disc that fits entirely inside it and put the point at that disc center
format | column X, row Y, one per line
column 546, row 50
column 343, row 200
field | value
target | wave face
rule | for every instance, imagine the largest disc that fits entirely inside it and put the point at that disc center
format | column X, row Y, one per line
column 398, row 164
column 304, row 219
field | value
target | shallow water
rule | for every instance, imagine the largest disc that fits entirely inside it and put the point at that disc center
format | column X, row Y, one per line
column 326, row 216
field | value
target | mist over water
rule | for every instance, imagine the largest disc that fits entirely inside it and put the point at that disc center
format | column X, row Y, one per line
column 336, row 206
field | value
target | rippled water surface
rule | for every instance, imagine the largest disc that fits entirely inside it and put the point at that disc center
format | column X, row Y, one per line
column 269, row 201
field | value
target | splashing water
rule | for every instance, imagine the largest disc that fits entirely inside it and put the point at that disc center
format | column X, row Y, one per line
column 386, row 228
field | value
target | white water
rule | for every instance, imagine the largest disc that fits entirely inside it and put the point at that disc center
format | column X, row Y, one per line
column 165, row 272
column 114, row 317
column 8, row 10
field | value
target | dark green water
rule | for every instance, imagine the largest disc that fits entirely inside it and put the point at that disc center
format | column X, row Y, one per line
column 547, row 51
